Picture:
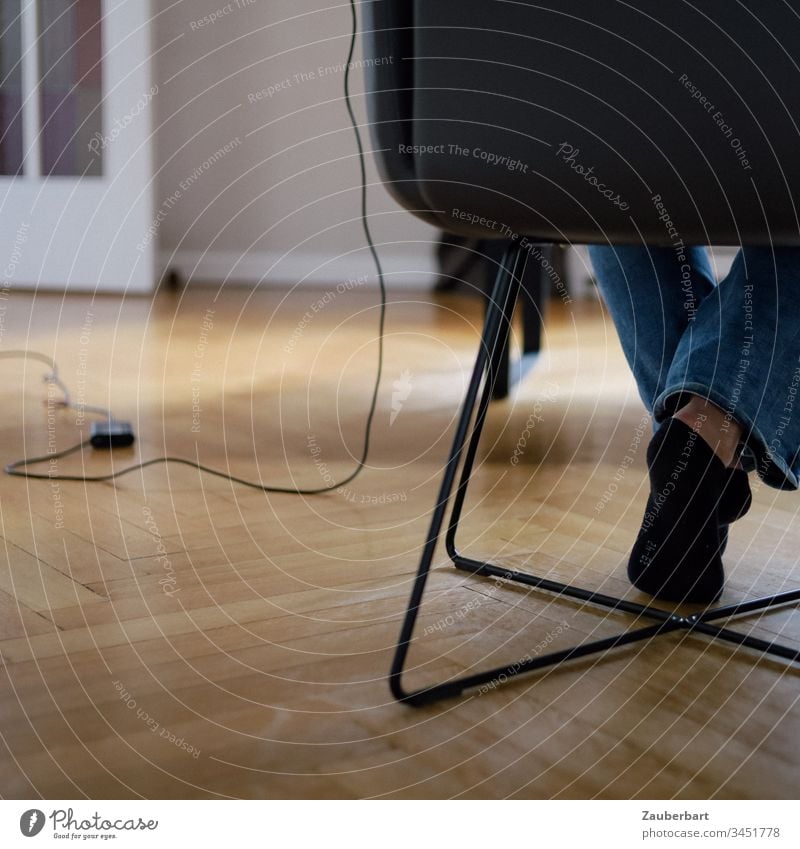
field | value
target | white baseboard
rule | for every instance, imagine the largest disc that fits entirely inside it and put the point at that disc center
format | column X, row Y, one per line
column 402, row 270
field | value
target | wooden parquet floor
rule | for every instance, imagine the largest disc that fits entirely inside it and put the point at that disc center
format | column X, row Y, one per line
column 175, row 635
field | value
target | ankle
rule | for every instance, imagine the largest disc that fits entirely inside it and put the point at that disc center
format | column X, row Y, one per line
column 721, row 433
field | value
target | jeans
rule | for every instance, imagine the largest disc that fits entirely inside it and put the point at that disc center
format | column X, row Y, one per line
column 736, row 343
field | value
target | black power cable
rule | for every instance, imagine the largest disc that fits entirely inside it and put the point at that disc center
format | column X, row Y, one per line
column 19, row 467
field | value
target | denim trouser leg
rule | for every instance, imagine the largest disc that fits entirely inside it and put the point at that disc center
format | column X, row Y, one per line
column 740, row 349
column 743, row 353
column 653, row 295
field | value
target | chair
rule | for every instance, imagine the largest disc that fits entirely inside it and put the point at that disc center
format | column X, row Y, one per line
column 576, row 121
column 472, row 261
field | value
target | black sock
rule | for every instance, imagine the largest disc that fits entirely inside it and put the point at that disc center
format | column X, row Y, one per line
column 677, row 555
column 734, row 502
column 735, row 498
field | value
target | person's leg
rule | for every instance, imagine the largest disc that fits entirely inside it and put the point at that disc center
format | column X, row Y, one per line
column 653, row 294
column 744, row 356
column 722, row 432
column 733, row 381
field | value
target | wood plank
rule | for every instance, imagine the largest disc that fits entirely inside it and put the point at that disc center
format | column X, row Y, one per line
column 269, row 654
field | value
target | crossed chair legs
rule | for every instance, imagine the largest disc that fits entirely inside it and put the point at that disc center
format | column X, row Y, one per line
column 496, row 332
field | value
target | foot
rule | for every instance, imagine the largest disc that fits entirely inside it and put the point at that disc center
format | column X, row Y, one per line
column 734, row 501
column 694, row 496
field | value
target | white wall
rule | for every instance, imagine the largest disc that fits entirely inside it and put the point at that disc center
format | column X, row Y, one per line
column 282, row 204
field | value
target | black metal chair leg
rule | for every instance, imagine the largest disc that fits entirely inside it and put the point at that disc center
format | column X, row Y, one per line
column 500, row 309
column 489, row 340
column 700, row 622
column 535, row 289
column 501, row 364
column 488, row 365
column 532, row 282
column 497, row 371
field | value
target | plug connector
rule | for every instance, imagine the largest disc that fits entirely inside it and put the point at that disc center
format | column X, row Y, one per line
column 111, row 434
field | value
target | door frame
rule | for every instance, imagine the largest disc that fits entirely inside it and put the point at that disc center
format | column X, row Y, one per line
column 88, row 233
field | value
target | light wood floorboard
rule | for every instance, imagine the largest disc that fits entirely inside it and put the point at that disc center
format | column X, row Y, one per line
column 175, row 635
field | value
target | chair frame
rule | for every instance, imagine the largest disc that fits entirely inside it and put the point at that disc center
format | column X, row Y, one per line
column 493, row 348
